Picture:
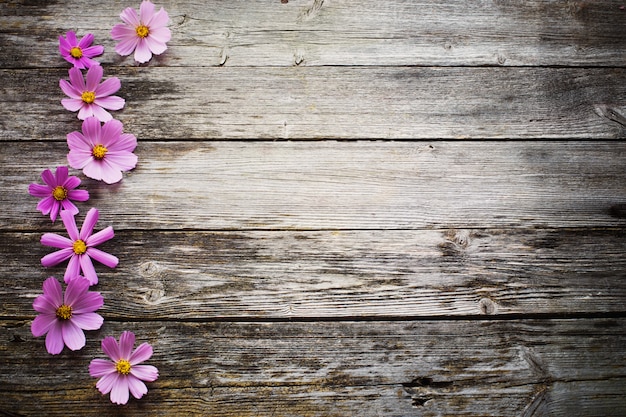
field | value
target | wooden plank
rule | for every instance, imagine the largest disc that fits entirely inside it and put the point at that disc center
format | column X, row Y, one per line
column 347, row 185
column 280, row 275
column 468, row 368
column 314, row 32
column 334, row 103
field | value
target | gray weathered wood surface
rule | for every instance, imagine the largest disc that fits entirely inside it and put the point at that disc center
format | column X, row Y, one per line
column 317, row 225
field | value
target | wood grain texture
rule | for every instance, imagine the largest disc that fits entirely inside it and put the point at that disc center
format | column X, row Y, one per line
column 329, row 185
column 334, row 103
column 347, row 274
column 429, row 368
column 315, row 226
column 335, row 32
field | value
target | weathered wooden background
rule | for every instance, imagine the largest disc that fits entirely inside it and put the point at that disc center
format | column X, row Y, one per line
column 342, row 208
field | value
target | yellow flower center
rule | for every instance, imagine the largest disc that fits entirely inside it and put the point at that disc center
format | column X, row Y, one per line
column 64, row 312
column 76, row 52
column 123, row 367
column 79, row 247
column 59, row 193
column 88, row 97
column 142, row 31
column 99, row 151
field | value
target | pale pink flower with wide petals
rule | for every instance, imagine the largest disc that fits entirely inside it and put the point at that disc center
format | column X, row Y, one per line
column 144, row 33
column 124, row 373
column 79, row 53
column 90, row 97
column 64, row 317
column 103, row 152
column 58, row 192
column 80, row 247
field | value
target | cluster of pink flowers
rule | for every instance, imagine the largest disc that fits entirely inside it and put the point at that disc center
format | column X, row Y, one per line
column 103, row 153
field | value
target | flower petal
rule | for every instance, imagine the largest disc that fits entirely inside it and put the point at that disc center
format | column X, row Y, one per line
column 142, row 51
column 70, row 225
column 94, row 75
column 159, row 20
column 109, row 172
column 156, row 46
column 38, row 190
column 141, row 354
column 124, row 161
column 127, row 45
column 130, row 17
column 145, row 372
column 89, row 271
column 110, row 102
column 88, row 321
column 86, row 41
column 92, row 51
column 146, row 11
column 77, row 80
column 54, row 339
column 61, row 175
column 75, row 290
column 46, row 205
column 78, row 195
column 70, row 90
column 67, row 205
column 119, row 393
column 93, row 169
column 126, row 142
column 100, row 237
column 111, row 348
column 73, row 268
column 73, row 336
column 57, row 257
column 72, row 104
column 108, row 87
column 88, row 303
column 136, row 387
column 101, row 367
column 103, row 257
column 42, row 324
column 106, row 383
column 127, row 341
column 56, row 241
column 88, row 224
column 45, row 305
column 101, row 114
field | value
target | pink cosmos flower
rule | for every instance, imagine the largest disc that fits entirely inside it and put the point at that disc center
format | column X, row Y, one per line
column 102, row 151
column 124, row 373
column 58, row 192
column 80, row 247
column 91, row 98
column 64, row 317
column 79, row 53
column 146, row 33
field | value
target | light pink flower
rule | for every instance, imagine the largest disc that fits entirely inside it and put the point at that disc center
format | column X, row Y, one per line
column 145, row 33
column 58, row 192
column 91, row 98
column 64, row 317
column 124, row 373
column 103, row 152
column 79, row 53
column 79, row 248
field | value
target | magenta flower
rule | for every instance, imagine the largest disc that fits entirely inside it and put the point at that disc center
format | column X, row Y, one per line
column 124, row 373
column 79, row 248
column 102, row 151
column 58, row 192
column 146, row 33
column 91, row 98
column 64, row 317
column 79, row 53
